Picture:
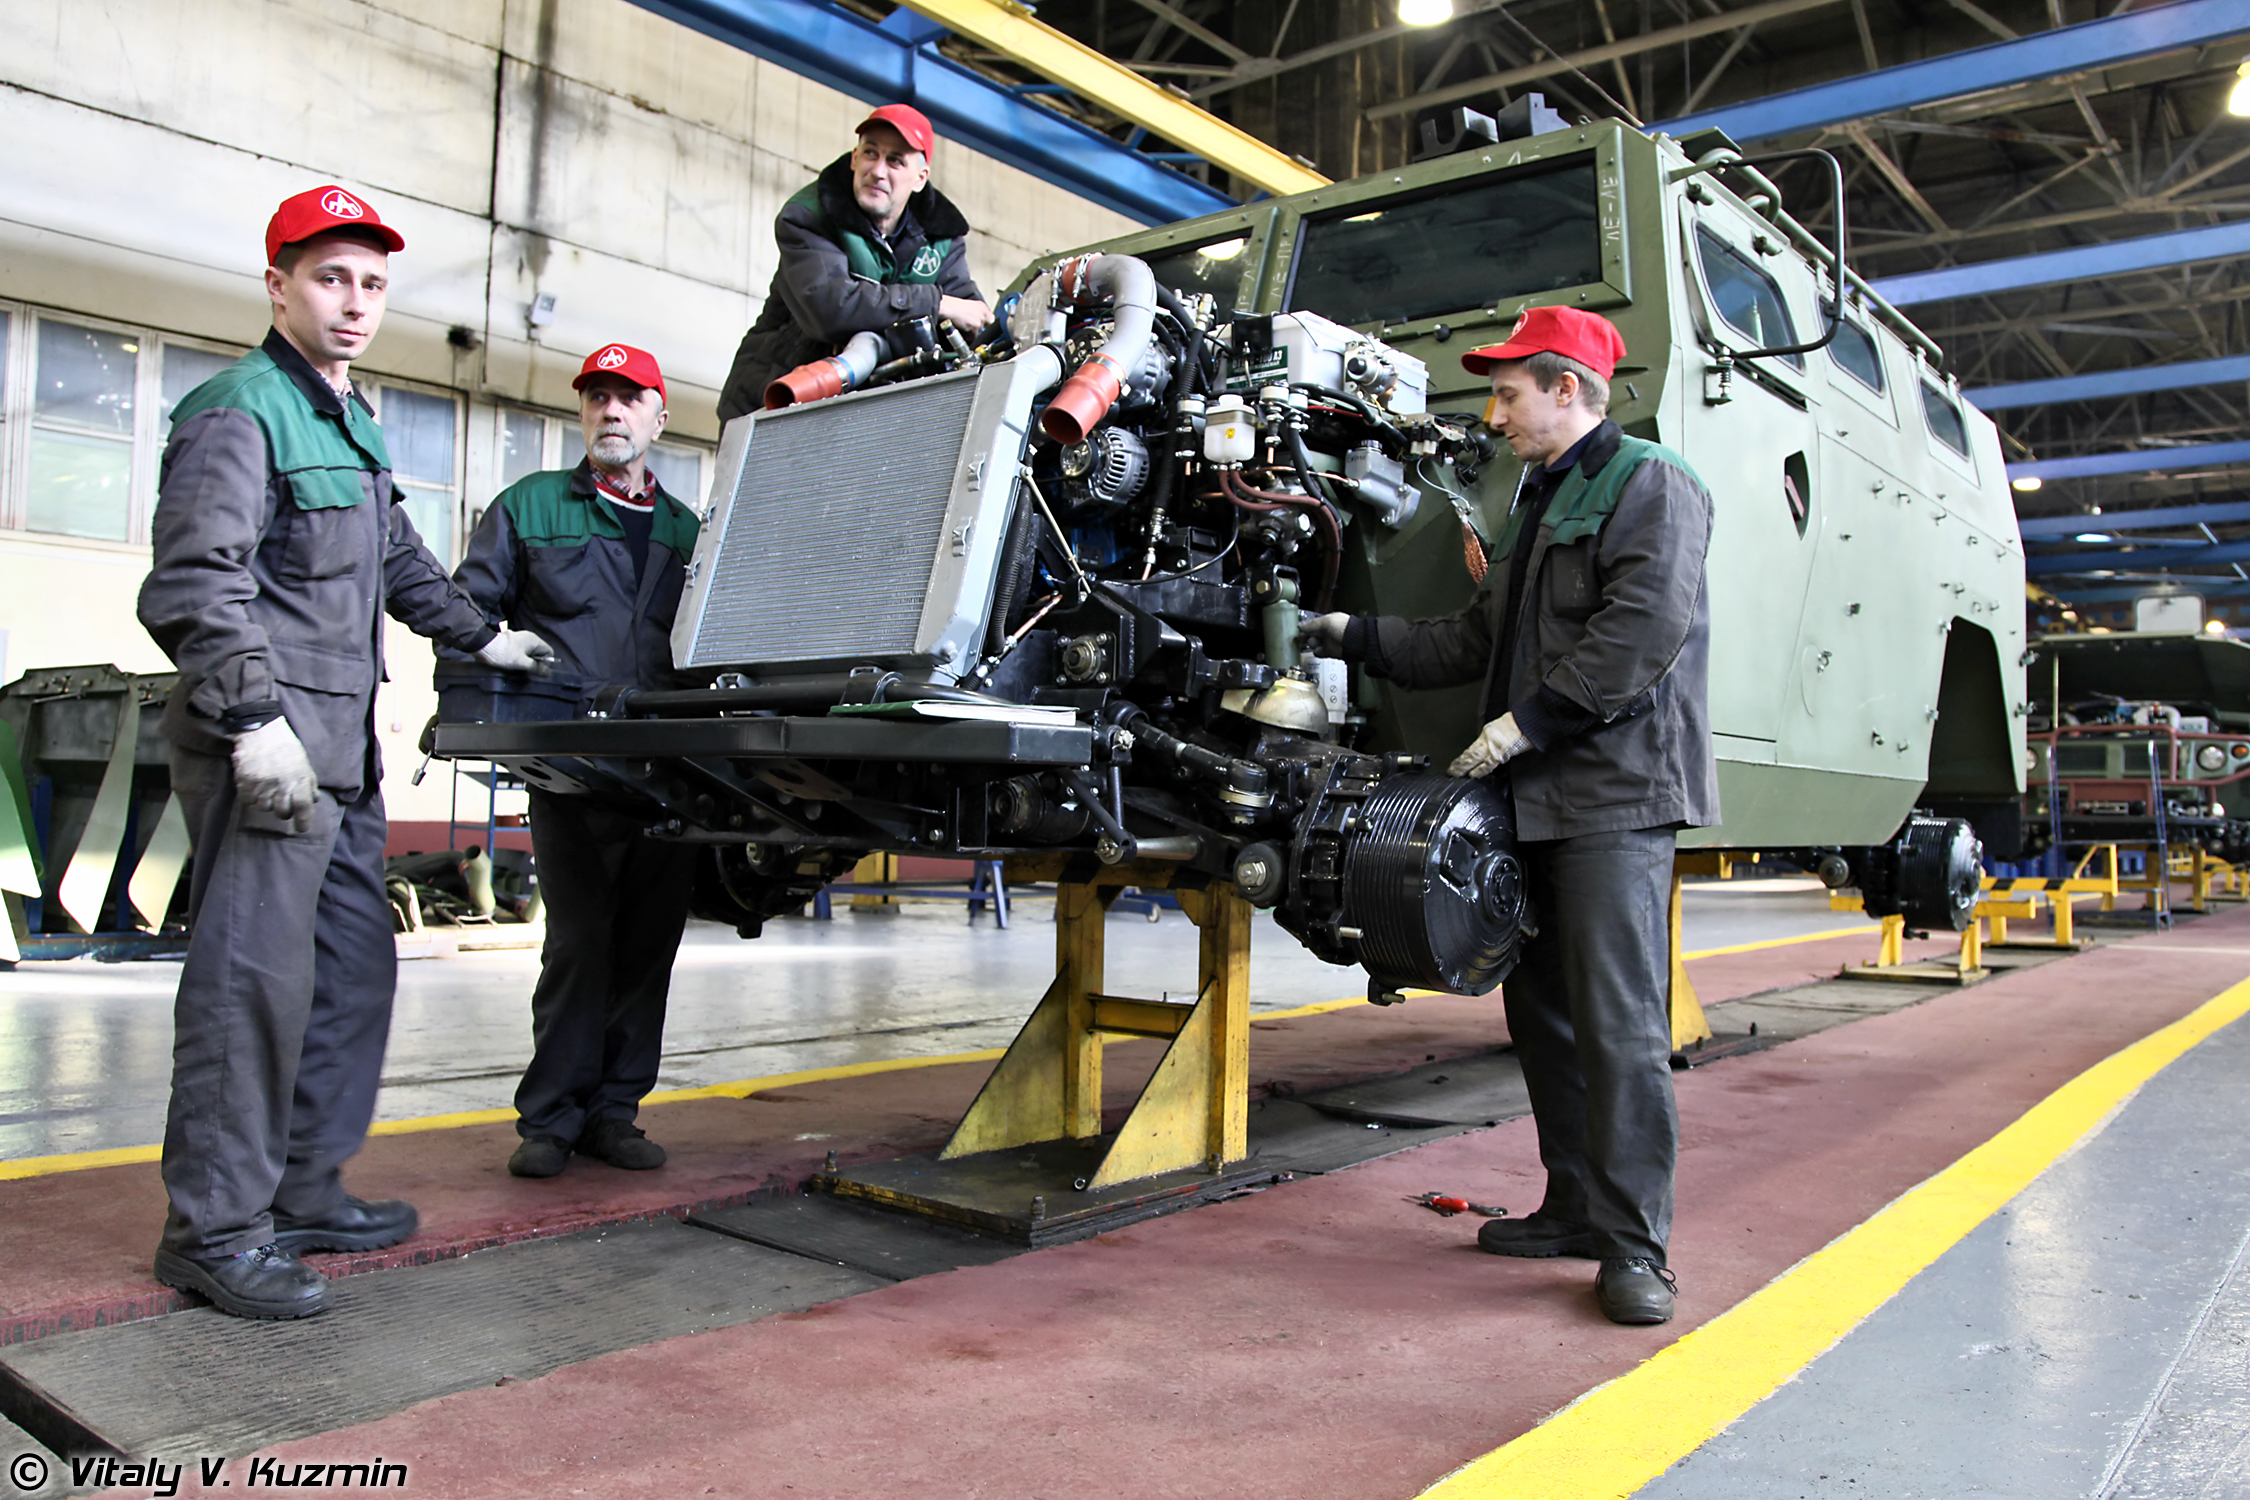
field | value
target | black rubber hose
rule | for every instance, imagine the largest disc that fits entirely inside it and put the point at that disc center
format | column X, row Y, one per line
column 1015, row 570
column 1191, row 363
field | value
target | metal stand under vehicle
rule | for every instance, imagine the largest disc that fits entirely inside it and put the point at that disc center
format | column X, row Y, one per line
column 1030, row 1159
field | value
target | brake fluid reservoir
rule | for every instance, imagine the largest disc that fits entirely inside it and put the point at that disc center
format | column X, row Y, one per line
column 1230, row 432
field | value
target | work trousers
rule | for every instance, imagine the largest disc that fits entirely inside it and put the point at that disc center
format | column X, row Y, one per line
column 1589, row 1010
column 616, row 905
column 284, row 1009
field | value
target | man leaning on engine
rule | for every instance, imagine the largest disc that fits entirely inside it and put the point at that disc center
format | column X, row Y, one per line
column 1592, row 638
column 280, row 544
column 867, row 244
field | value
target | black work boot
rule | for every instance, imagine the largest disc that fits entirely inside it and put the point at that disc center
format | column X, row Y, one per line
column 261, row 1283
column 355, row 1224
column 1635, row 1291
column 621, row 1144
column 1536, row 1237
column 539, row 1156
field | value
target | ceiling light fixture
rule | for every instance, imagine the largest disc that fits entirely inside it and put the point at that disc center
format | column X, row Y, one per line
column 2028, row 484
column 1425, row 12
column 2238, row 101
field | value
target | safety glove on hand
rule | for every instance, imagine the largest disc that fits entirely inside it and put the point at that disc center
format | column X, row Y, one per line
column 272, row 771
column 1500, row 743
column 1324, row 633
column 518, row 651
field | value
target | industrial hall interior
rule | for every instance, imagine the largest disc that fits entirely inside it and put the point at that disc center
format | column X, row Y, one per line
column 1132, row 749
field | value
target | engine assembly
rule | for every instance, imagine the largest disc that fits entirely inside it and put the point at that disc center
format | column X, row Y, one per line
column 1044, row 595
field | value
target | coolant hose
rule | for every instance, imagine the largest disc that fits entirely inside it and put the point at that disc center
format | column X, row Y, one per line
column 1088, row 395
column 847, row 368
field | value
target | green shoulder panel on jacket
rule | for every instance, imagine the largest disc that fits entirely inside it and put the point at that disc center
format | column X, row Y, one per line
column 1580, row 506
column 545, row 511
column 320, row 456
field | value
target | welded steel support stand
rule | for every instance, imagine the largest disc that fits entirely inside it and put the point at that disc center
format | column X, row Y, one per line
column 1194, row 1112
column 1689, row 1025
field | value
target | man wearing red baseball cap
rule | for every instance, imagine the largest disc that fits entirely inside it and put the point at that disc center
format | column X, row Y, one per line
column 593, row 559
column 868, row 244
column 1591, row 635
column 279, row 546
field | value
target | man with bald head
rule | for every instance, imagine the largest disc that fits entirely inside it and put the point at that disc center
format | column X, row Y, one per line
column 868, row 244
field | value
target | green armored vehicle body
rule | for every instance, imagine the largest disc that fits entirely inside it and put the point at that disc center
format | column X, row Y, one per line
column 1041, row 597
column 1866, row 574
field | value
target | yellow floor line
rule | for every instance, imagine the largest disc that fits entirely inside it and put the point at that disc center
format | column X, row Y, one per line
column 1864, row 929
column 1619, row 1436
column 44, row 1166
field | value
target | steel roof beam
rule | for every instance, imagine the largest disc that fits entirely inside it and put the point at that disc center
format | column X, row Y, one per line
column 2142, row 461
column 1012, row 30
column 2207, row 555
column 2079, row 263
column 880, row 65
column 2217, row 513
column 2067, row 49
column 2112, row 383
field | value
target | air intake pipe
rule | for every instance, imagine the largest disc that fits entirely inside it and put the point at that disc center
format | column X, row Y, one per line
column 833, row 376
column 1088, row 395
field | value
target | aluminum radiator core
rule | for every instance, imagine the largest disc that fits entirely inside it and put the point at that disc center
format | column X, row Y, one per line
column 863, row 529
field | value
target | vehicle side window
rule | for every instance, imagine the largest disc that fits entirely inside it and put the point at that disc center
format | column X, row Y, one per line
column 1747, row 297
column 1945, row 419
column 1854, row 349
column 1215, row 268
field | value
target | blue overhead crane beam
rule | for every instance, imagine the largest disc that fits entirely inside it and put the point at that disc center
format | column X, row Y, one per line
column 887, row 65
column 2120, row 560
column 2112, row 383
column 2042, row 55
column 2079, row 263
column 2218, row 513
column 2144, row 461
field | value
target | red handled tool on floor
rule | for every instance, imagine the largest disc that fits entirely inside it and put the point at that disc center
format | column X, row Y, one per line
column 1448, row 1205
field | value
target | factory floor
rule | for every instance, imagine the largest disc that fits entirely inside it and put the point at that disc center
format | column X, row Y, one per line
column 1931, row 1240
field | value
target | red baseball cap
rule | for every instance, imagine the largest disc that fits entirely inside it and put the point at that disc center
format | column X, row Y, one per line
column 1589, row 338
column 908, row 122
column 320, row 209
column 625, row 362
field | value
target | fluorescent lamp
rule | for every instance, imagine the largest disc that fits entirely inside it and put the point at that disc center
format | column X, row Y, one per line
column 2093, row 536
column 1425, row 12
column 2238, row 102
column 2028, row 484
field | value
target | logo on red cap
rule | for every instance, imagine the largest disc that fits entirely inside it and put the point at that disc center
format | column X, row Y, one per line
column 622, row 362
column 612, row 358
column 343, row 205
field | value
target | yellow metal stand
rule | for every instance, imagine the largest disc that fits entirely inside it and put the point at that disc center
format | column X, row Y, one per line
column 1890, row 953
column 1689, row 1025
column 1194, row 1112
column 2006, row 900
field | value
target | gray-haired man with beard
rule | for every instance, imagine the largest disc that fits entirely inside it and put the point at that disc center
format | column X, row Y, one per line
column 598, row 555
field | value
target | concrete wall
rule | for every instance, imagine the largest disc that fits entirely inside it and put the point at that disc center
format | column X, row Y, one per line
column 583, row 149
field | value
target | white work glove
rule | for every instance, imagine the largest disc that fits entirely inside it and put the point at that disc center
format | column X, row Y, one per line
column 518, row 651
column 272, row 771
column 1324, row 633
column 1500, row 743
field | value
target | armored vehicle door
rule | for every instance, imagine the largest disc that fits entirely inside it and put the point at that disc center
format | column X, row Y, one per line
column 1750, row 434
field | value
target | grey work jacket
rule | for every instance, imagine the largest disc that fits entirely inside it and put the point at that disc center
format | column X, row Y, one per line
column 268, row 609
column 817, row 302
column 1618, row 626
column 550, row 557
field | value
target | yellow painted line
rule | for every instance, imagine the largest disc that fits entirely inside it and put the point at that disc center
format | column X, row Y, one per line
column 44, row 1166
column 1619, row 1436
column 1863, row 930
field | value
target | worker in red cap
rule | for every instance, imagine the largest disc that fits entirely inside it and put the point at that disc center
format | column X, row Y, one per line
column 1591, row 635
column 868, row 244
column 593, row 559
column 279, row 547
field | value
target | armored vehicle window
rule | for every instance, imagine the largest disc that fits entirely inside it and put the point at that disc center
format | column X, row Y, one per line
column 1748, row 298
column 1215, row 268
column 2134, row 760
column 1854, row 349
column 1462, row 247
column 2082, row 760
column 1945, row 419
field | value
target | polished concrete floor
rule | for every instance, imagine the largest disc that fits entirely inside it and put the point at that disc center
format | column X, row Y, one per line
column 85, row 1047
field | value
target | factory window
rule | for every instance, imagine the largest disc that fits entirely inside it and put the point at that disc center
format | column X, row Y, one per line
column 1854, row 349
column 79, row 473
column 1457, row 248
column 186, row 366
column 421, row 431
column 1945, row 419
column 1746, row 297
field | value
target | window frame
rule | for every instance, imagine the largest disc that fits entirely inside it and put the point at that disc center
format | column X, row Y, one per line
column 1791, row 369
column 380, row 384
column 1881, row 402
column 1963, row 458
